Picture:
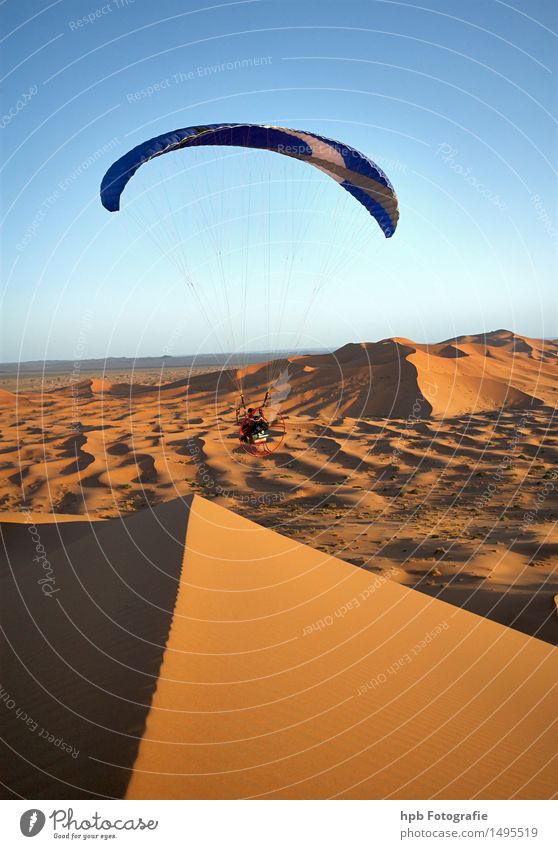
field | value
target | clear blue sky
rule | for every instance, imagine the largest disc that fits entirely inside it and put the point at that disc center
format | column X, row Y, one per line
column 456, row 100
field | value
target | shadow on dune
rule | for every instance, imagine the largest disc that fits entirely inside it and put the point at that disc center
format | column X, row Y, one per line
column 81, row 665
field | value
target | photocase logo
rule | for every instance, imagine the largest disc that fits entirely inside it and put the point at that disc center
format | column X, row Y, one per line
column 32, row 822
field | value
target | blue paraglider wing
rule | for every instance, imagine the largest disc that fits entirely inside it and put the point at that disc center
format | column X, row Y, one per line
column 356, row 173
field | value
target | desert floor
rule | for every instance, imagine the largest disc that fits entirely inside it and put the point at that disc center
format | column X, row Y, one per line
column 462, row 507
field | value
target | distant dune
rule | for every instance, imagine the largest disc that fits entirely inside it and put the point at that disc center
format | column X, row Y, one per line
column 394, row 377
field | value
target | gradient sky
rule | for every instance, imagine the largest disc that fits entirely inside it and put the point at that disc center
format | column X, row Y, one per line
column 457, row 101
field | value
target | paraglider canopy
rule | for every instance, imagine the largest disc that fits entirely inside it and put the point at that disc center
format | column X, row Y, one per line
column 354, row 171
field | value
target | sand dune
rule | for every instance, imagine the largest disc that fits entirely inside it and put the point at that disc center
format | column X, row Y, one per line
column 190, row 653
column 390, row 378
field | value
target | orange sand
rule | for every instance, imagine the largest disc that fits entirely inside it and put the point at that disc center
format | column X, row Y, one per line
column 193, row 654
